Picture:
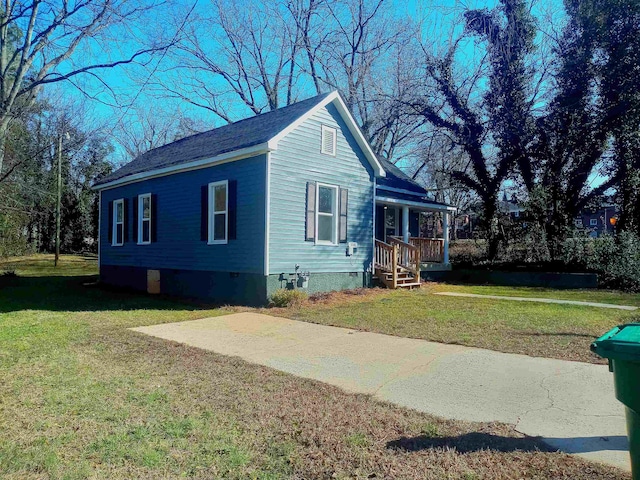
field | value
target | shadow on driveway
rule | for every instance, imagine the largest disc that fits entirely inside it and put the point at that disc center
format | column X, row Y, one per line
column 476, row 441
column 471, row 442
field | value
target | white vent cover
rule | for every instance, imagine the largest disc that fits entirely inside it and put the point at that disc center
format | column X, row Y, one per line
column 328, row 140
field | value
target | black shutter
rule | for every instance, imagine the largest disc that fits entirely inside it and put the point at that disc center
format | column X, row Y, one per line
column 154, row 217
column 204, row 213
column 125, row 220
column 110, row 222
column 232, row 207
column 135, row 201
column 342, row 223
column 310, row 233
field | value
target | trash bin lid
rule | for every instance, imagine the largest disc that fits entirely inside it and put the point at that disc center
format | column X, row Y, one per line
column 620, row 343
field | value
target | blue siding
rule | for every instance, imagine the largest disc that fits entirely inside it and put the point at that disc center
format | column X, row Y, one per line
column 178, row 243
column 297, row 161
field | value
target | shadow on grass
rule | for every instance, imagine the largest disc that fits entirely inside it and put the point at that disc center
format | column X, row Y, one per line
column 80, row 294
column 471, row 442
column 556, row 334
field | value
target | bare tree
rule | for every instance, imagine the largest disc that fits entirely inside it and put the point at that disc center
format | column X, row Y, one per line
column 37, row 44
column 265, row 55
column 486, row 110
column 368, row 55
column 145, row 129
column 250, row 57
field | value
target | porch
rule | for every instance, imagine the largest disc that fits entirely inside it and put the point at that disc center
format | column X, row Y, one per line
column 401, row 249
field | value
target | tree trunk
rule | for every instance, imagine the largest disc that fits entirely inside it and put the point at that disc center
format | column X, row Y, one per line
column 4, row 130
column 490, row 220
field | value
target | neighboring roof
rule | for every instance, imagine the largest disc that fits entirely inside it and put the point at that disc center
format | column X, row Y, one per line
column 263, row 130
column 396, row 178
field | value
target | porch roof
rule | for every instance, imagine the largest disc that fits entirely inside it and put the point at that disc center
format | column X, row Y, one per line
column 416, row 202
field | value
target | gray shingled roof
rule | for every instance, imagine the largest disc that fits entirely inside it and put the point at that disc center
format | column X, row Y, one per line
column 248, row 133
column 235, row 136
column 396, row 178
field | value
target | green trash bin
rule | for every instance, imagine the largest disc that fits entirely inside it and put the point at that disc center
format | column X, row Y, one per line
column 621, row 346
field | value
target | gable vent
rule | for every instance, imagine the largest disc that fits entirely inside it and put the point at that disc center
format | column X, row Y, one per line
column 328, row 140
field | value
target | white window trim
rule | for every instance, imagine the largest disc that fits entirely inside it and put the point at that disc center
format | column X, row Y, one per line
column 141, row 220
column 593, row 222
column 211, row 212
column 578, row 222
column 114, row 233
column 336, row 210
column 326, row 128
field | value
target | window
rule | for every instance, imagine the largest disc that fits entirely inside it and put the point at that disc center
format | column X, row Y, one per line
column 218, row 212
column 593, row 222
column 328, row 140
column 144, row 219
column 118, row 223
column 578, row 222
column 516, row 214
column 326, row 214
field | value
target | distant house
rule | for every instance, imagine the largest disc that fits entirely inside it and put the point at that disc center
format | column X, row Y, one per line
column 292, row 198
column 592, row 221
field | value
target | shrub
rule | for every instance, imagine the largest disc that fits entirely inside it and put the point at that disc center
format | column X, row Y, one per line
column 619, row 261
column 616, row 260
column 467, row 251
column 287, row 298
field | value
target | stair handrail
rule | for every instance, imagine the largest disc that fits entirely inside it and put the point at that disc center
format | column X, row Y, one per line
column 383, row 256
column 408, row 255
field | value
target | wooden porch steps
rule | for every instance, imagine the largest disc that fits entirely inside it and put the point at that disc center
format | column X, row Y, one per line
column 403, row 280
column 397, row 264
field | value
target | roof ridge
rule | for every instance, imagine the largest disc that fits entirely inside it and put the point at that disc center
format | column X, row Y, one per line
column 314, row 100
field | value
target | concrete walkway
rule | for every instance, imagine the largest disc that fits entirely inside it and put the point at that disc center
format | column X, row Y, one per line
column 570, row 404
column 541, row 300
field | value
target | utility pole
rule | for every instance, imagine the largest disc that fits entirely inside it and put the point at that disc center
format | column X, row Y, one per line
column 58, row 200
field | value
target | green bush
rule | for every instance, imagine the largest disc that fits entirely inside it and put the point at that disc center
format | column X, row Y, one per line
column 615, row 259
column 467, row 251
column 619, row 261
column 287, row 298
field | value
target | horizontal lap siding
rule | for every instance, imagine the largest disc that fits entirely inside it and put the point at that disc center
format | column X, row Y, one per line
column 297, row 161
column 178, row 244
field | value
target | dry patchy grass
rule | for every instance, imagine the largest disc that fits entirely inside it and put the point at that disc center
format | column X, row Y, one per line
column 542, row 330
column 83, row 396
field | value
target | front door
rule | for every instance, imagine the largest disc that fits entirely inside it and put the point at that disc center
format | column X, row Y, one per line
column 391, row 222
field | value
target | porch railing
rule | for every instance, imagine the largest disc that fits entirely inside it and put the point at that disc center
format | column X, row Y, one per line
column 408, row 255
column 431, row 249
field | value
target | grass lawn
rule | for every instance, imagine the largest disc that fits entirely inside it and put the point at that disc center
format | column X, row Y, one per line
column 82, row 396
column 536, row 329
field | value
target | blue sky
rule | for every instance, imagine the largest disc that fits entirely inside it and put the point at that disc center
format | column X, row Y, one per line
column 124, row 82
column 128, row 92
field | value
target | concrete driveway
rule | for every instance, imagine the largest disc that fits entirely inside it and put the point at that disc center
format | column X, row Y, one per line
column 570, row 404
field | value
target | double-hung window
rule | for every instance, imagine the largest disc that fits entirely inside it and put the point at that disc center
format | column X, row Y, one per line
column 326, row 214
column 118, row 222
column 218, row 212
column 144, row 219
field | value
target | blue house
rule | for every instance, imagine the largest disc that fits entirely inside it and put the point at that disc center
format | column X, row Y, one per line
column 293, row 198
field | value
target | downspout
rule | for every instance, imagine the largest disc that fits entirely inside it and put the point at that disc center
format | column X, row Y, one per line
column 267, row 212
column 99, row 230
